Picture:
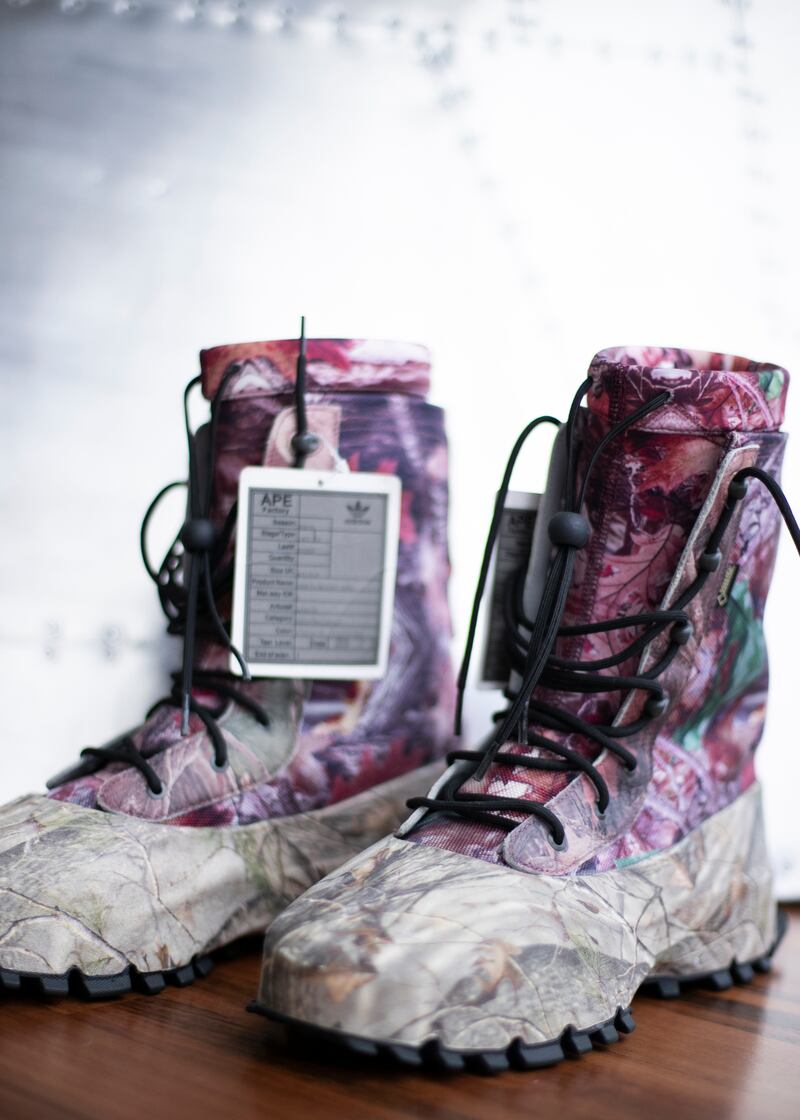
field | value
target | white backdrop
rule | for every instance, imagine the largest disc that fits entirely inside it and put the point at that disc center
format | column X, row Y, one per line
column 517, row 184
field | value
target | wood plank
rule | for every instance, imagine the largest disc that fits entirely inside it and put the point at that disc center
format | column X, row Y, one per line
column 197, row 1052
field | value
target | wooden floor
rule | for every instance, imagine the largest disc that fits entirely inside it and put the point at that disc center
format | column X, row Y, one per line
column 197, row 1053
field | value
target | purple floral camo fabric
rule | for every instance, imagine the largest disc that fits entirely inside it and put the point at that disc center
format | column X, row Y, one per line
column 644, row 504
column 329, row 741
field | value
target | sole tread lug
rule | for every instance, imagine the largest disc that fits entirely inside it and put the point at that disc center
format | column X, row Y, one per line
column 488, row 1061
column 150, row 983
column 77, row 983
column 9, row 981
column 363, row 1046
column 100, row 987
column 535, row 1057
column 624, row 1021
column 720, row 980
column 439, row 1057
column 54, row 985
column 181, row 977
column 576, row 1043
column 405, row 1055
column 743, row 973
column 605, row 1035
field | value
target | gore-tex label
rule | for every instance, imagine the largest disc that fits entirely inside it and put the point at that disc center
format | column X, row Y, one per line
column 511, row 555
column 314, row 590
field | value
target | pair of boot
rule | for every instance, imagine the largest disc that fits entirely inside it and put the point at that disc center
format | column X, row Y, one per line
column 607, row 834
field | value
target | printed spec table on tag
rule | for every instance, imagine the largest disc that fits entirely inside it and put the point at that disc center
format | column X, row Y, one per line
column 314, row 576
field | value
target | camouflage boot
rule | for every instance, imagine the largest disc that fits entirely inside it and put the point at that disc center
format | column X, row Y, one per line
column 162, row 846
column 609, row 833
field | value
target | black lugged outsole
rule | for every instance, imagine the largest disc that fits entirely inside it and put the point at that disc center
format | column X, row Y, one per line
column 76, row 983
column 571, row 1043
column 434, row 1057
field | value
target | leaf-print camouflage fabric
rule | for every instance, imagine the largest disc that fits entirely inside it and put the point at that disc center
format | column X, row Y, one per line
column 407, row 943
column 101, row 891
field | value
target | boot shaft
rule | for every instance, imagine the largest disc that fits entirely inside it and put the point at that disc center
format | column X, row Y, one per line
column 653, row 498
column 649, row 487
column 652, row 503
column 322, row 742
column 365, row 401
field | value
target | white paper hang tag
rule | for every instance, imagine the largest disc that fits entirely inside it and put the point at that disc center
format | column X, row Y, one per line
column 511, row 554
column 314, row 577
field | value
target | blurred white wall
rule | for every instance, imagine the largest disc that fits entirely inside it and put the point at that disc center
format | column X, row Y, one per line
column 518, row 184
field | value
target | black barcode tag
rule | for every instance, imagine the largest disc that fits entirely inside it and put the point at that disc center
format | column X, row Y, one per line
column 316, row 560
column 511, row 554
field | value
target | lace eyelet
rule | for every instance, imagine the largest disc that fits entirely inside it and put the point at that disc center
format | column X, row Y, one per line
column 561, row 846
column 156, row 795
column 219, row 767
column 709, row 561
column 737, row 490
column 656, row 706
column 600, row 812
column 682, row 632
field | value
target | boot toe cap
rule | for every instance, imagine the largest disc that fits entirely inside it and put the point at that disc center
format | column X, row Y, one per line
column 410, row 943
column 97, row 892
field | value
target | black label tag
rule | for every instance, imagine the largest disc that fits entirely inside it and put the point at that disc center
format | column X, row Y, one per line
column 512, row 552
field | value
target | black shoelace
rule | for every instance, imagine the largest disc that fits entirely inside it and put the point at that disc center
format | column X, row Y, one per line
column 533, row 659
column 192, row 578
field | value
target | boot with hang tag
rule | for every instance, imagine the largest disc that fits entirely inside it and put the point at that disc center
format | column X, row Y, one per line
column 196, row 828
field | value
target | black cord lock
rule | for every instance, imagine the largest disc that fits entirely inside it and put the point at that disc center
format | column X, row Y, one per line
column 198, row 534
column 305, row 443
column 570, row 529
